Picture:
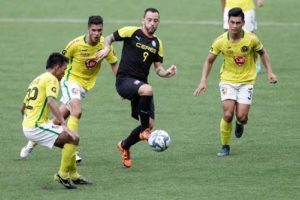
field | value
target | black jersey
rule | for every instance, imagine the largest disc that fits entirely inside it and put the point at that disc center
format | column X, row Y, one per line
column 138, row 54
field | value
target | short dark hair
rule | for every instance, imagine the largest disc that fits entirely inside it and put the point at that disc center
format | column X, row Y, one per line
column 97, row 19
column 154, row 10
column 56, row 59
column 236, row 12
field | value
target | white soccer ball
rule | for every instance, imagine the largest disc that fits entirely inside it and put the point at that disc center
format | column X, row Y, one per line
column 159, row 140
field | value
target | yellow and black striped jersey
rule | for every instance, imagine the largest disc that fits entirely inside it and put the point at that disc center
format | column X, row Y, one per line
column 139, row 52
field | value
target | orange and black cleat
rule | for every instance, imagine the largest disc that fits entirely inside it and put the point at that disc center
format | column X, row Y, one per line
column 145, row 134
column 125, row 154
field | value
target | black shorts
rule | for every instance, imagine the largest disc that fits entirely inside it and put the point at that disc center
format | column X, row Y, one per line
column 128, row 89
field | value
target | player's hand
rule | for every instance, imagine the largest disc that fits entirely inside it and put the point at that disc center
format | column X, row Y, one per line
column 201, row 89
column 260, row 3
column 69, row 132
column 100, row 55
column 171, row 71
column 272, row 78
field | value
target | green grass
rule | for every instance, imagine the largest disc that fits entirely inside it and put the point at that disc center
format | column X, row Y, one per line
column 264, row 163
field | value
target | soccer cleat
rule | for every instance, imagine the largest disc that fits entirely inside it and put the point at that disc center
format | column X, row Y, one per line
column 78, row 158
column 81, row 181
column 224, row 151
column 26, row 150
column 145, row 134
column 239, row 130
column 125, row 154
column 67, row 183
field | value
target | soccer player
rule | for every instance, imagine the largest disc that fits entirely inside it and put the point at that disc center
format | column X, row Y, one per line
column 239, row 49
column 40, row 99
column 248, row 8
column 141, row 48
column 81, row 73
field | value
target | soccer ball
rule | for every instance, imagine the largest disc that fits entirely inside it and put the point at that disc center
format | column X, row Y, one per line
column 159, row 140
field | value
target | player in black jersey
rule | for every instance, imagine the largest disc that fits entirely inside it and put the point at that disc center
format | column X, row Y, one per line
column 141, row 48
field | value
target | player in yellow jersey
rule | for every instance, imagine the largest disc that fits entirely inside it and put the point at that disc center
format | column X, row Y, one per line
column 81, row 73
column 40, row 99
column 248, row 7
column 237, row 75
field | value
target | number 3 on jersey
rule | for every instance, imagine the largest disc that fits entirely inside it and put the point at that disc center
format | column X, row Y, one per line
column 145, row 54
column 32, row 94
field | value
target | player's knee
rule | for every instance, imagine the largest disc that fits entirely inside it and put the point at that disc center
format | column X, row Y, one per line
column 228, row 116
column 242, row 118
column 77, row 113
column 75, row 140
column 145, row 90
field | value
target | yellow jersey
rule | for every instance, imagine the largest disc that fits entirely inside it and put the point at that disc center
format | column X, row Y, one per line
column 83, row 68
column 36, row 108
column 245, row 5
column 239, row 65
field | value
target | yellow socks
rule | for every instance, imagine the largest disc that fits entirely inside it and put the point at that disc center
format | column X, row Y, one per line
column 67, row 154
column 225, row 129
column 73, row 123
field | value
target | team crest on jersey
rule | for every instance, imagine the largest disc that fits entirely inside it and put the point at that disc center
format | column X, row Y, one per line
column 153, row 43
column 53, row 89
column 245, row 48
column 136, row 82
column 75, row 90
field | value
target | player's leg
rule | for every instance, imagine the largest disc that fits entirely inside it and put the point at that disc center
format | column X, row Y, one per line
column 228, row 94
column 145, row 92
column 226, row 126
column 72, row 94
column 244, row 100
column 48, row 135
column 27, row 149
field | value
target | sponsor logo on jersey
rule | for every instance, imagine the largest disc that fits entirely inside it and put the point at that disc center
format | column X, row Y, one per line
column 90, row 63
column 239, row 60
column 145, row 47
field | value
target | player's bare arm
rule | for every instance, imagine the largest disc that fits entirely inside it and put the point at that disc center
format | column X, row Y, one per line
column 205, row 72
column 22, row 109
column 160, row 71
column 114, row 68
column 107, row 42
column 266, row 61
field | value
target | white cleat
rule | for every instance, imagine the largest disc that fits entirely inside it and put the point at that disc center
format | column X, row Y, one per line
column 26, row 150
column 78, row 158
